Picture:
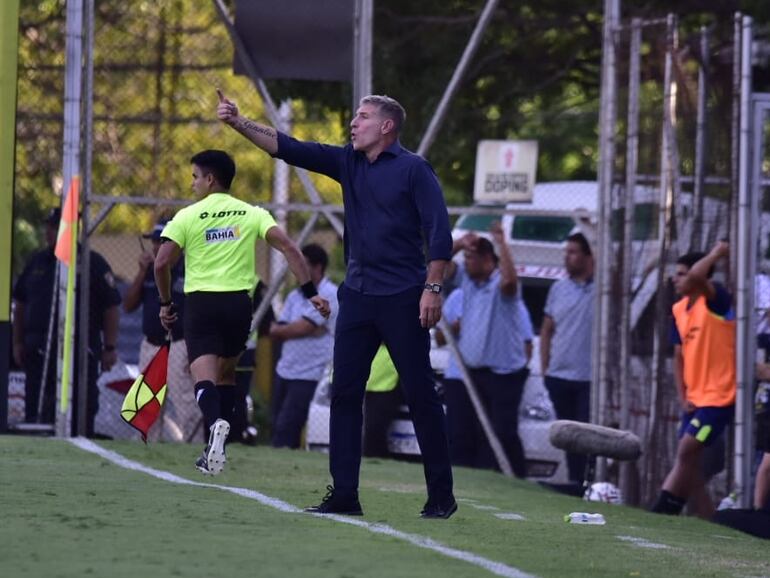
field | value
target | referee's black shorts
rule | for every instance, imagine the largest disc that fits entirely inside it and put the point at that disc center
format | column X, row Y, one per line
column 216, row 323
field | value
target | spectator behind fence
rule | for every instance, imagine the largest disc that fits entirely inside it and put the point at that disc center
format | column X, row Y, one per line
column 394, row 211
column 565, row 342
column 308, row 342
column 703, row 333
column 244, row 427
column 464, row 445
column 35, row 330
column 181, row 415
column 491, row 343
column 218, row 235
column 382, row 404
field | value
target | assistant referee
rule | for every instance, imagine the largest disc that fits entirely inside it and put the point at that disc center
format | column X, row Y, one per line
column 218, row 236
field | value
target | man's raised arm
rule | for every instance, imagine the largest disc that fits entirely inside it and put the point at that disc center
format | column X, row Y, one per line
column 265, row 137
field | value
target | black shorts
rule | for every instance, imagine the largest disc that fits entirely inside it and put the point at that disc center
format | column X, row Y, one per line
column 216, row 323
column 763, row 431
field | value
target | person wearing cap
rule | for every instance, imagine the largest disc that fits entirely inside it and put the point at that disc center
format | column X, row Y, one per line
column 218, row 235
column 181, row 415
column 35, row 330
column 492, row 345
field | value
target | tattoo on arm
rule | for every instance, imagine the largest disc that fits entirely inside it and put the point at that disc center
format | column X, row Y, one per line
column 249, row 126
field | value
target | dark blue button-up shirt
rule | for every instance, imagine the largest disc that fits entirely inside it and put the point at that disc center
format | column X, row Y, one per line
column 394, row 209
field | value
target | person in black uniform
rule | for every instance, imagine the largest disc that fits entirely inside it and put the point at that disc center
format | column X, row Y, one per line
column 35, row 313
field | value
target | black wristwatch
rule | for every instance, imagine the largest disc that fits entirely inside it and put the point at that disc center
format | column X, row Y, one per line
column 433, row 287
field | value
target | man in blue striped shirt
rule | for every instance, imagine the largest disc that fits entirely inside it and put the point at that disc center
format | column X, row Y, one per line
column 394, row 208
column 492, row 344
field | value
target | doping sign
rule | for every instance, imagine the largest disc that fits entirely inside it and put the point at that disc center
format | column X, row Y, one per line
column 505, row 171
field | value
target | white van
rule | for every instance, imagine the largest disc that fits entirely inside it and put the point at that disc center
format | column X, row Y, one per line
column 537, row 232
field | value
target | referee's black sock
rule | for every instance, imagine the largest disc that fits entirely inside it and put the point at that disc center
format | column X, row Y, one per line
column 668, row 503
column 207, row 396
column 227, row 396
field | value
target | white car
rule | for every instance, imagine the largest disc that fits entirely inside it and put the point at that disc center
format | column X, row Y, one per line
column 544, row 462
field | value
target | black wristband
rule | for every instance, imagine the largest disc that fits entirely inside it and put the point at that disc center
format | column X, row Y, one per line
column 165, row 303
column 109, row 348
column 309, row 290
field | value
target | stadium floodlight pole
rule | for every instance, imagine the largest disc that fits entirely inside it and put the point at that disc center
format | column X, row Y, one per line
column 270, row 109
column 481, row 413
column 457, row 76
column 745, row 345
column 607, row 123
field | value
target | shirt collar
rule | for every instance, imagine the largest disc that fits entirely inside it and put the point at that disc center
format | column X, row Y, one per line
column 395, row 148
column 585, row 283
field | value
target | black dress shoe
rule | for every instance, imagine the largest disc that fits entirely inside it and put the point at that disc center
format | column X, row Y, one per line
column 436, row 510
column 337, row 503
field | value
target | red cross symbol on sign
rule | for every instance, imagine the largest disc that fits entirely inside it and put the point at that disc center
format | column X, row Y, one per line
column 508, row 158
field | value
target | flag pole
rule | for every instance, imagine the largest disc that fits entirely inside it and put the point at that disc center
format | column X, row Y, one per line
column 69, row 225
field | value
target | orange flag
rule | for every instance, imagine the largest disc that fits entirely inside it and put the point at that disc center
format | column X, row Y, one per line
column 69, row 219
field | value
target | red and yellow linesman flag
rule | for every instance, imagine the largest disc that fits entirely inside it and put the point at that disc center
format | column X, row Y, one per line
column 144, row 400
column 67, row 237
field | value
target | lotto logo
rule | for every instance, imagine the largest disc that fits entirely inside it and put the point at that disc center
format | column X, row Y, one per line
column 223, row 234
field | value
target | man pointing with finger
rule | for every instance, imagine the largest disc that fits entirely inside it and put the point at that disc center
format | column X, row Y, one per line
column 394, row 210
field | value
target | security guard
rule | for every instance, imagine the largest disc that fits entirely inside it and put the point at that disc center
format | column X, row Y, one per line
column 35, row 313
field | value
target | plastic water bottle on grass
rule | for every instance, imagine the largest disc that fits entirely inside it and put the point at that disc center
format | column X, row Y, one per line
column 729, row 502
column 585, row 518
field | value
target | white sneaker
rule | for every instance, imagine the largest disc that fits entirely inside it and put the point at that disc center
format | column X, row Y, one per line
column 213, row 459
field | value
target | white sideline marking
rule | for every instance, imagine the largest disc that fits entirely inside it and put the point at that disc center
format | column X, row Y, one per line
column 483, row 507
column 497, row 568
column 510, row 516
column 642, row 543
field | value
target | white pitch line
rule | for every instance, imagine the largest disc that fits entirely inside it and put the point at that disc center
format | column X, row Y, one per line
column 510, row 516
column 498, row 568
column 642, row 543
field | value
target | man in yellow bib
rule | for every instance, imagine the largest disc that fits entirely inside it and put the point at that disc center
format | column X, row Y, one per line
column 704, row 372
column 218, row 235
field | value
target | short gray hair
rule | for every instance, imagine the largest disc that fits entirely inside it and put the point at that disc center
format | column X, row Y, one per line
column 389, row 107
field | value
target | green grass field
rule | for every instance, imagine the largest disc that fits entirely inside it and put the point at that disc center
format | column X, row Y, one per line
column 69, row 512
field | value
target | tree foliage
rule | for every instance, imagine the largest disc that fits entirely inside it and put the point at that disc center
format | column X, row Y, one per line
column 535, row 76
